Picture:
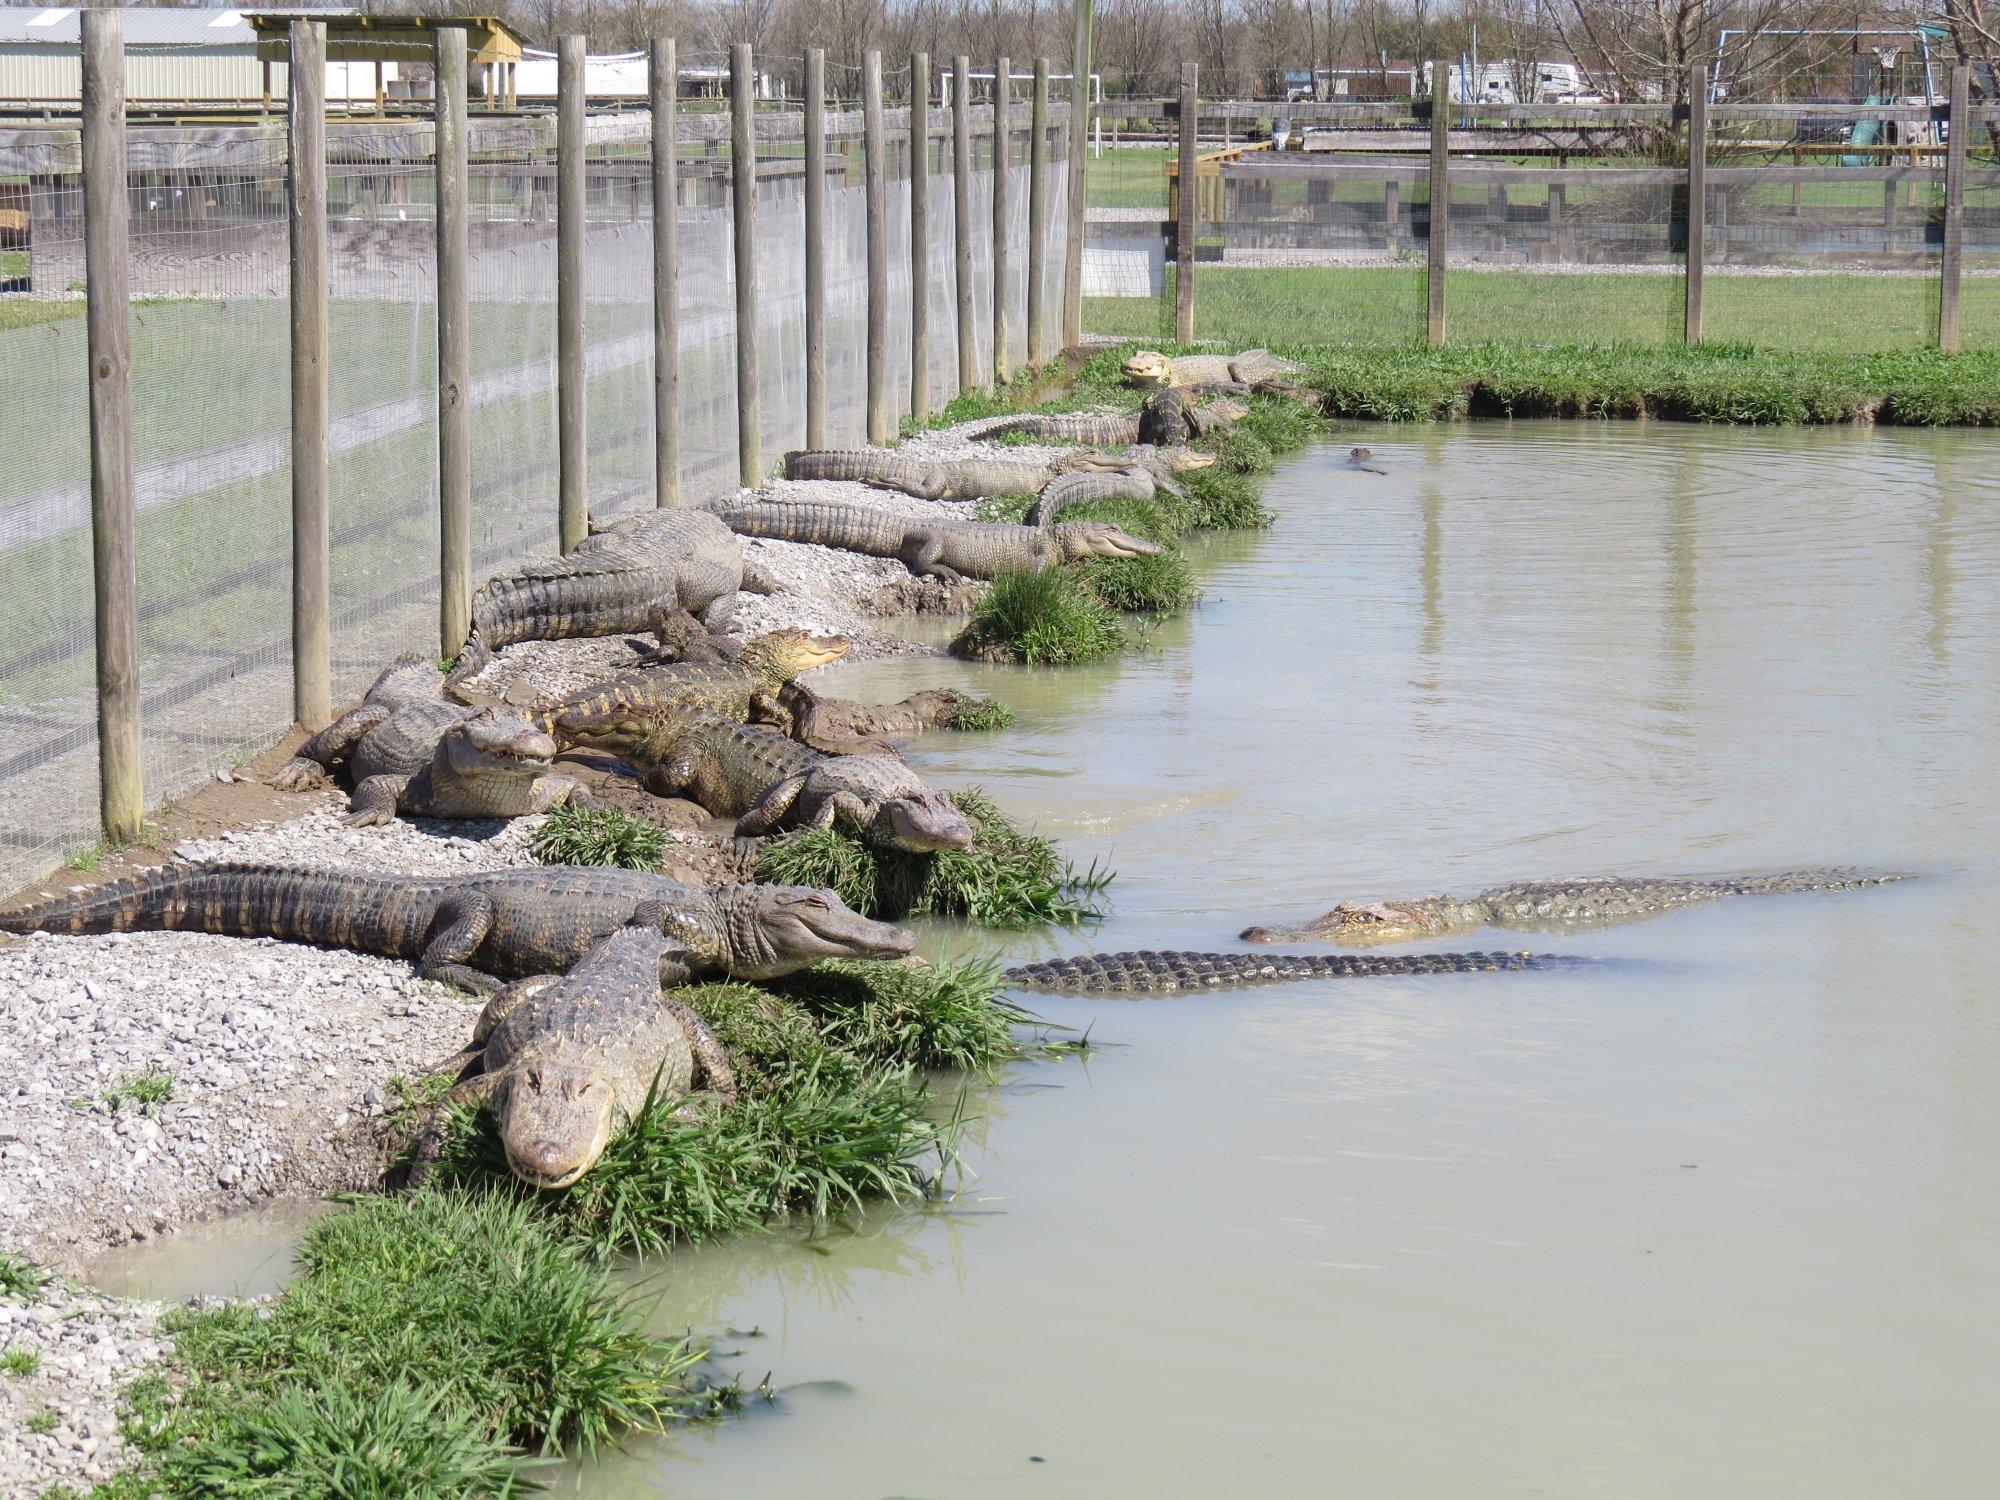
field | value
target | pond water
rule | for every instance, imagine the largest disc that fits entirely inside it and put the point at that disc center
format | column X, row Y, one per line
column 1719, row 1214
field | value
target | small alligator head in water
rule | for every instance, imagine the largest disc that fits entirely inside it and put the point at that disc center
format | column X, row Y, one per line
column 775, row 930
column 923, row 823
column 1361, row 925
column 492, row 743
column 1098, row 539
column 1148, row 367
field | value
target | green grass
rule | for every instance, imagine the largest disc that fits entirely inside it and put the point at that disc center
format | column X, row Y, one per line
column 20, row 1362
column 427, row 1339
column 943, row 1015
column 1008, row 878
column 1044, row 619
column 21, row 1279
column 43, row 1422
column 599, row 836
column 144, row 1090
column 1351, row 306
column 976, row 715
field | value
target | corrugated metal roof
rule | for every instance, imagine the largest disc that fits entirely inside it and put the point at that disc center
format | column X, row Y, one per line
column 145, row 26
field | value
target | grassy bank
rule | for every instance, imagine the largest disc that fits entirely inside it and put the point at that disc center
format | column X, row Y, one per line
column 1350, row 306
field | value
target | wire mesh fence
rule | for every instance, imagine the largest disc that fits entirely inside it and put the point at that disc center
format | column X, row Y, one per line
column 1566, row 225
column 209, row 256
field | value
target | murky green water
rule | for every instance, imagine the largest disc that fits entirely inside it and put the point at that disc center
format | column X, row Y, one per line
column 1718, row 1216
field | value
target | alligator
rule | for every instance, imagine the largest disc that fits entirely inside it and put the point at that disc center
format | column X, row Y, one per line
column 1246, row 371
column 565, row 1062
column 1552, row 906
column 471, row 930
column 1358, row 458
column 927, row 479
column 1085, row 485
column 1099, row 429
column 407, row 750
column 627, row 577
column 770, row 783
column 751, row 686
column 1152, row 972
column 946, row 550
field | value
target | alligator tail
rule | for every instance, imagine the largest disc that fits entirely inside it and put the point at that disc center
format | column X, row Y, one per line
column 473, row 658
column 1155, row 972
column 371, row 913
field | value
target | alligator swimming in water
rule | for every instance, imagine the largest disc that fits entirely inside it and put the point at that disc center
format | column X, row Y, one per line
column 565, row 1062
column 1552, row 906
column 945, row 550
column 1152, row 972
column 408, row 750
column 468, row 930
column 770, row 783
column 628, row 577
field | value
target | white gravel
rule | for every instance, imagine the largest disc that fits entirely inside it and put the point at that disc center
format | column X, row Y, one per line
column 86, row 1347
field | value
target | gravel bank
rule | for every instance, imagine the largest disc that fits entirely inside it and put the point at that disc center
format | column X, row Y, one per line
column 59, row 1421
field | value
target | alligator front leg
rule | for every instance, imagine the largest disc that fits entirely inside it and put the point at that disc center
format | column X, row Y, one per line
column 477, row 1090
column 375, row 801
column 328, row 748
column 923, row 552
column 463, row 921
column 710, row 1056
column 559, row 791
column 767, row 814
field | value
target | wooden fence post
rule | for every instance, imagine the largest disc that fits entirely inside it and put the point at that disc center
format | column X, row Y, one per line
column 1003, row 167
column 1038, row 209
column 1440, row 194
column 961, row 216
column 743, row 211
column 107, row 226
column 1697, row 198
column 1189, row 198
column 875, row 190
column 1079, row 127
column 815, row 247
column 920, row 234
column 572, row 442
column 663, row 90
column 1950, row 262
column 305, row 181
column 454, row 349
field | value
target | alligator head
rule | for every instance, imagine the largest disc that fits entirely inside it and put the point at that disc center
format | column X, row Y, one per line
column 1148, row 367
column 1186, row 458
column 1099, row 539
column 780, row 655
column 555, row 1120
column 495, row 742
column 921, row 822
column 1360, row 925
column 777, row 929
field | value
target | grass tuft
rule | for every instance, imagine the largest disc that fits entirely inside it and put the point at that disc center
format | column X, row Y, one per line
column 426, row 1341
column 20, row 1362
column 21, row 1279
column 975, row 715
column 1045, row 619
column 1162, row 584
column 949, row 1014
column 599, row 836
column 1006, row 879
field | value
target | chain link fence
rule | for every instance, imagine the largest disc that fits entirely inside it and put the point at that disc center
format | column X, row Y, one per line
column 209, row 254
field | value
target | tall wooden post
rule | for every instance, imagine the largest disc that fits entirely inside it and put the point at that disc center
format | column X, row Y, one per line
column 1079, row 123
column 1190, row 198
column 1950, row 263
column 1003, row 170
column 1697, row 196
column 920, row 234
column 663, row 90
column 875, row 191
column 1038, row 209
column 1440, row 194
column 572, row 443
column 815, row 247
column 961, row 218
column 743, row 209
column 107, row 226
column 305, row 181
column 454, row 349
